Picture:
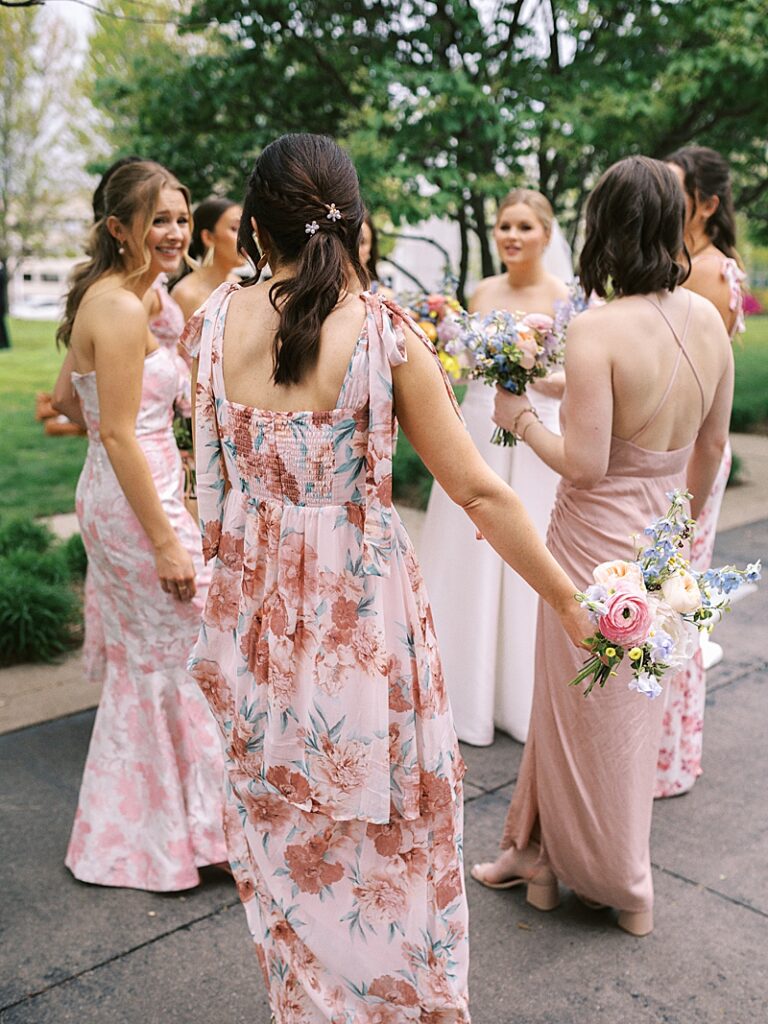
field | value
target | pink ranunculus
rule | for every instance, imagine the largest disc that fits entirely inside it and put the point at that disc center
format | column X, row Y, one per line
column 436, row 303
column 529, row 348
column 627, row 618
column 539, row 322
column 619, row 574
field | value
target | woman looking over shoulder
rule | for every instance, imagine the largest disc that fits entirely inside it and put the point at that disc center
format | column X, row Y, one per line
column 490, row 681
column 214, row 246
column 716, row 273
column 318, row 651
column 151, row 803
column 650, row 383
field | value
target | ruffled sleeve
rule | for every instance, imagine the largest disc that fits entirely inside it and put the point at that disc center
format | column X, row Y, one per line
column 735, row 277
column 202, row 339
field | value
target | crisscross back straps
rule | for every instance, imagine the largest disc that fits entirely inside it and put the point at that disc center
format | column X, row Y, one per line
column 682, row 353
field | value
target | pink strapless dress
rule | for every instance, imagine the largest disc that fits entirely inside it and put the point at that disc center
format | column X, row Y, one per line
column 151, row 803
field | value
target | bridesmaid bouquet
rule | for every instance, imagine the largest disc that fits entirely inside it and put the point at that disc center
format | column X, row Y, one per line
column 437, row 313
column 509, row 350
column 652, row 609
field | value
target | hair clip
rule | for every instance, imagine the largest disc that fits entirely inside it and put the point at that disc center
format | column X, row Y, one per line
column 310, row 229
column 333, row 212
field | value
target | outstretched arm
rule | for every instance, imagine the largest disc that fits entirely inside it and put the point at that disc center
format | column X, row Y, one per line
column 430, row 423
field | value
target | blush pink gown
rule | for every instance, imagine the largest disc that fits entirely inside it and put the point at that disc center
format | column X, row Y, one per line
column 586, row 782
column 151, row 804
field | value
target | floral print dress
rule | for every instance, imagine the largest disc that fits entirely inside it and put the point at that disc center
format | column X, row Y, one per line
column 318, row 656
column 152, row 799
column 682, row 738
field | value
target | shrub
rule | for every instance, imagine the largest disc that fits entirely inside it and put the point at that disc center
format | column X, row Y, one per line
column 74, row 552
column 24, row 534
column 48, row 566
column 39, row 619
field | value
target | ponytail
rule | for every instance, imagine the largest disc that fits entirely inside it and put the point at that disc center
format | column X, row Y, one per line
column 305, row 197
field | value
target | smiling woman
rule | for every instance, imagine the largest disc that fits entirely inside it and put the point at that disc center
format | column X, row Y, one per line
column 150, row 808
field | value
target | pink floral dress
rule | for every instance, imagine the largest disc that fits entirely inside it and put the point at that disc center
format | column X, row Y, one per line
column 318, row 656
column 166, row 326
column 151, row 803
column 680, row 752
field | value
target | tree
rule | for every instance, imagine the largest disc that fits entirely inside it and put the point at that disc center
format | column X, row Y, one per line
column 446, row 105
column 36, row 130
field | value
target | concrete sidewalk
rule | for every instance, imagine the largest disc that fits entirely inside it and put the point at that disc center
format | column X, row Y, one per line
column 76, row 953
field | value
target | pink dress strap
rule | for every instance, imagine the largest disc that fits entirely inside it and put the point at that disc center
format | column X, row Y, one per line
column 682, row 353
column 202, row 339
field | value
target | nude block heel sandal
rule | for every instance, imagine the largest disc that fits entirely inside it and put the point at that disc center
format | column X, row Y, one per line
column 544, row 894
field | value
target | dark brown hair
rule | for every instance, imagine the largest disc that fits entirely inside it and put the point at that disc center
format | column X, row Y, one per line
column 707, row 174
column 297, row 182
column 207, row 216
column 131, row 195
column 634, row 230
column 371, row 267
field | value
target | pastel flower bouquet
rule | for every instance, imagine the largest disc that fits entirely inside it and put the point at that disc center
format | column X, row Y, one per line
column 438, row 313
column 651, row 610
column 509, row 350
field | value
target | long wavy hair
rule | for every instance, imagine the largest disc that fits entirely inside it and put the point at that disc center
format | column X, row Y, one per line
column 298, row 186
column 705, row 174
column 131, row 195
column 634, row 230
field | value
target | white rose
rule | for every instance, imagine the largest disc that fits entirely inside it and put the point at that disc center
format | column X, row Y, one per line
column 681, row 592
column 609, row 574
column 685, row 636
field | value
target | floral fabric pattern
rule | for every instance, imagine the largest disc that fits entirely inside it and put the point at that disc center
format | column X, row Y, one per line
column 683, row 725
column 151, row 804
column 318, row 657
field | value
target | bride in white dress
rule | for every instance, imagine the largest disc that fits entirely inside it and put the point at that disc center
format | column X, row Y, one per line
column 485, row 616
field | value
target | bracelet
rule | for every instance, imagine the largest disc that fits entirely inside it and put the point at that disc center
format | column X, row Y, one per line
column 528, row 408
column 527, row 427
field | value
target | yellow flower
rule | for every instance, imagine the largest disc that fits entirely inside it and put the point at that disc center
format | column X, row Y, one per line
column 636, row 653
column 450, row 365
column 429, row 329
column 610, row 652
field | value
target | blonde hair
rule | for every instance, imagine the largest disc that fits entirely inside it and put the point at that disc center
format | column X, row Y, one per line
column 131, row 195
column 537, row 202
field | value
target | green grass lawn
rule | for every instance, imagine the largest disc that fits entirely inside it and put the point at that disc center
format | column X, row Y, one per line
column 38, row 473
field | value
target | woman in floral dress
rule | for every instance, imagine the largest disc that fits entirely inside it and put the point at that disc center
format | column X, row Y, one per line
column 716, row 273
column 317, row 650
column 151, row 803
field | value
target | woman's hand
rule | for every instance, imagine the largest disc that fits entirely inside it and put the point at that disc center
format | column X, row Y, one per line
column 176, row 570
column 553, row 385
column 576, row 623
column 507, row 408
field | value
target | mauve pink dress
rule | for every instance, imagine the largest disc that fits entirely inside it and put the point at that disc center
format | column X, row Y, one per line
column 587, row 778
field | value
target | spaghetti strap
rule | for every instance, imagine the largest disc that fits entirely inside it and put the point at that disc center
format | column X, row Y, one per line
column 681, row 353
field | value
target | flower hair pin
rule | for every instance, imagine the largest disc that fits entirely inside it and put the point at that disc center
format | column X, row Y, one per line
column 310, row 229
column 333, row 212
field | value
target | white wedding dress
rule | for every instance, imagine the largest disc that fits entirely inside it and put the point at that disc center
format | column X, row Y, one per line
column 485, row 615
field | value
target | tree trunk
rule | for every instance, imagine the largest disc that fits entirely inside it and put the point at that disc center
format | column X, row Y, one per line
column 481, row 226
column 464, row 257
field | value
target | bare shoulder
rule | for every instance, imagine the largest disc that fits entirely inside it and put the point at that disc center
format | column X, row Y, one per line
column 706, row 278
column 110, row 301
column 558, row 287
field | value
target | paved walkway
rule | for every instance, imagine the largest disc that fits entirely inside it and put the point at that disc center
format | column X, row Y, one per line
column 76, row 953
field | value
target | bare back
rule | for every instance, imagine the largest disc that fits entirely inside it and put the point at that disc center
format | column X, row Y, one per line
column 105, row 310
column 247, row 354
column 658, row 401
